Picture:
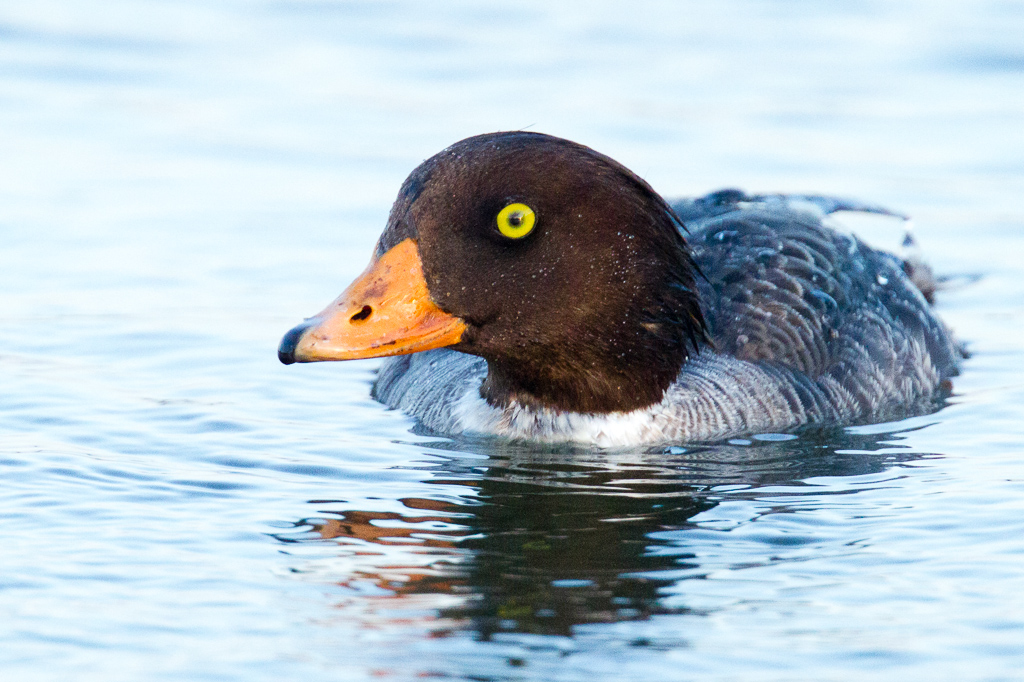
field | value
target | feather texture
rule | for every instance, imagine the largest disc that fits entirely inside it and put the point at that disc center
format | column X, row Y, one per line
column 808, row 324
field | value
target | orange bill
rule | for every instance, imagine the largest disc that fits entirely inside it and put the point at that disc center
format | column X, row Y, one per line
column 386, row 311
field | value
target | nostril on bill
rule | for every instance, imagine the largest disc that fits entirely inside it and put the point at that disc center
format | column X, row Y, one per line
column 364, row 313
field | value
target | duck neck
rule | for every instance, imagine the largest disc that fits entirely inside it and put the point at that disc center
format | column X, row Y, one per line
column 578, row 385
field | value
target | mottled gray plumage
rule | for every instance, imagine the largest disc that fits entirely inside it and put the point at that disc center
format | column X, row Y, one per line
column 808, row 325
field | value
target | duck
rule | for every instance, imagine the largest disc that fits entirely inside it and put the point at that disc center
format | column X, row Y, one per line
column 529, row 288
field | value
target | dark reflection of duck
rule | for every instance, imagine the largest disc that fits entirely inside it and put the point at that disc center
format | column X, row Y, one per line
column 581, row 314
column 545, row 542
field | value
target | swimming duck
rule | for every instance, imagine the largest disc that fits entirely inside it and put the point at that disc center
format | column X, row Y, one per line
column 548, row 293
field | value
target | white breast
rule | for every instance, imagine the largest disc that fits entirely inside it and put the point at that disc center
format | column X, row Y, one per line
column 714, row 397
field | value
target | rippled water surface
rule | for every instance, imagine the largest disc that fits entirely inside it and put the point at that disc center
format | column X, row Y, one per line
column 182, row 181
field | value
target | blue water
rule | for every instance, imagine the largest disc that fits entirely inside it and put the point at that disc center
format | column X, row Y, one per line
column 182, row 181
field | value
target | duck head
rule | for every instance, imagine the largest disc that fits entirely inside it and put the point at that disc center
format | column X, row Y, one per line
column 559, row 266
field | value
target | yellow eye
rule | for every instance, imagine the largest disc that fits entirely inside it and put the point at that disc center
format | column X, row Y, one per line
column 515, row 221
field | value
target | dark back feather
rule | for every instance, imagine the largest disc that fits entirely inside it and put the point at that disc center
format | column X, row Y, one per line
column 782, row 289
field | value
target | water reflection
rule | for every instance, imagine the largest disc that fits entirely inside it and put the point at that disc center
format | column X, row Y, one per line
column 544, row 540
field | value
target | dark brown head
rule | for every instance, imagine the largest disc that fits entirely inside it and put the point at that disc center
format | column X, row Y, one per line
column 563, row 269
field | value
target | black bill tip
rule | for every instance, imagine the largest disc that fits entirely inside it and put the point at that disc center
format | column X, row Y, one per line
column 286, row 351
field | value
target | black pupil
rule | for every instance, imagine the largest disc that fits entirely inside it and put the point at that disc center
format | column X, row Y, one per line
column 515, row 219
